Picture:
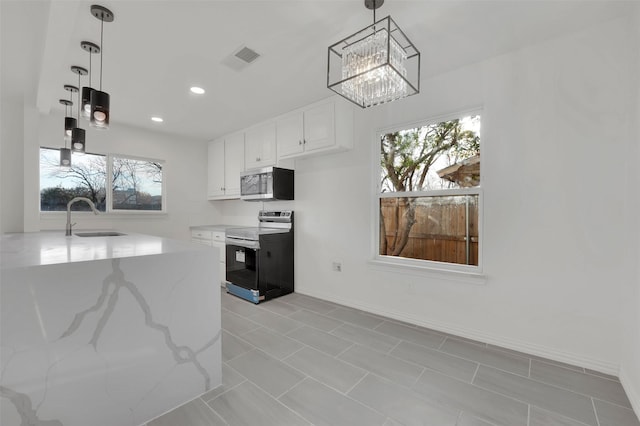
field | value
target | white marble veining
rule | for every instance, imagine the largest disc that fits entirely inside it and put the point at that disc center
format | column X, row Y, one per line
column 114, row 341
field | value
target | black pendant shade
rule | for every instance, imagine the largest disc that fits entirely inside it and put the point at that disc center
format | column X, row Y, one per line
column 100, row 109
column 78, row 134
column 69, row 124
column 78, row 139
column 65, row 157
column 85, row 106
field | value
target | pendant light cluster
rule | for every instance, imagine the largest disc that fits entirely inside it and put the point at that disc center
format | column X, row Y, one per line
column 92, row 104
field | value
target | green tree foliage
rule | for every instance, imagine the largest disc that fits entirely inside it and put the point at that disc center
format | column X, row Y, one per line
column 406, row 157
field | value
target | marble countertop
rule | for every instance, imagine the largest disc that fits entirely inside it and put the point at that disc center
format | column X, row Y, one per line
column 220, row 228
column 52, row 247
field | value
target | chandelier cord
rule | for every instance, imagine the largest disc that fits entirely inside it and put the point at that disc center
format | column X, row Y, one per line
column 374, row 14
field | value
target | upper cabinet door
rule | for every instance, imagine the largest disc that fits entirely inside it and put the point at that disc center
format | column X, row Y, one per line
column 260, row 146
column 289, row 134
column 319, row 127
column 215, row 182
column 234, row 163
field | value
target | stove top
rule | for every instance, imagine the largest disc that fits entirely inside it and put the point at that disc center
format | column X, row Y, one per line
column 252, row 233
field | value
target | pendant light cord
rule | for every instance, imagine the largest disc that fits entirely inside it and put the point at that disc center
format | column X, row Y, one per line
column 101, row 47
column 89, row 50
column 79, row 102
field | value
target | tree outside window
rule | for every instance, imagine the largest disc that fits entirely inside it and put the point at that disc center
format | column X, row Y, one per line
column 135, row 184
column 428, row 192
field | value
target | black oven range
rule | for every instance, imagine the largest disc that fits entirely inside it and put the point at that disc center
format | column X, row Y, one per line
column 259, row 260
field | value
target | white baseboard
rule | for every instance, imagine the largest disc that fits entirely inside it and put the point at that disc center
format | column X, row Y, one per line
column 508, row 343
column 633, row 392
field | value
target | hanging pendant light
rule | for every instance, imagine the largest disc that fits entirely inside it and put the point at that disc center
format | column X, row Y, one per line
column 78, row 135
column 85, row 107
column 69, row 121
column 377, row 64
column 65, row 153
column 100, row 110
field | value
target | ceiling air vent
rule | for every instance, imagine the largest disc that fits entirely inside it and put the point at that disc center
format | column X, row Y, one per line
column 241, row 58
column 247, row 55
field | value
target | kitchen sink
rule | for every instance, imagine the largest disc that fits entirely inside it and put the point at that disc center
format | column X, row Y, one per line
column 99, row 234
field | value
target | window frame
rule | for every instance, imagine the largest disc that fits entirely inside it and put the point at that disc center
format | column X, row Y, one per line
column 469, row 273
column 110, row 211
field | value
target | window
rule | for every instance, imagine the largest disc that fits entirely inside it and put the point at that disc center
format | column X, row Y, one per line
column 135, row 185
column 429, row 194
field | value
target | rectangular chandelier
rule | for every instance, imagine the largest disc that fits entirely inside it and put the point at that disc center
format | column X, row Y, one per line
column 377, row 64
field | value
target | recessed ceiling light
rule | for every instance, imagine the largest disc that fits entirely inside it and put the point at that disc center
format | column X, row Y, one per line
column 197, row 90
column 157, row 119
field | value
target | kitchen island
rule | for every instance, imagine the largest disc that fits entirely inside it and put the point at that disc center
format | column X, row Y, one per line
column 105, row 330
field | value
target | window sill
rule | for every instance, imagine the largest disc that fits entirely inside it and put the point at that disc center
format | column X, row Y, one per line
column 467, row 277
column 111, row 215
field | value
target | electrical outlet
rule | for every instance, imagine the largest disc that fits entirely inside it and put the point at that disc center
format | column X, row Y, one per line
column 337, row 266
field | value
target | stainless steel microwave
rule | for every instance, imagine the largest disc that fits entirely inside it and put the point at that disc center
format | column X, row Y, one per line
column 268, row 184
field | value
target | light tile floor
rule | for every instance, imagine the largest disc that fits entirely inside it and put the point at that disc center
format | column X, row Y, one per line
column 297, row 360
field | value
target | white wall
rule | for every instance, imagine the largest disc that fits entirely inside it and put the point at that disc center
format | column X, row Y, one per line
column 557, row 258
column 630, row 369
column 11, row 170
column 185, row 173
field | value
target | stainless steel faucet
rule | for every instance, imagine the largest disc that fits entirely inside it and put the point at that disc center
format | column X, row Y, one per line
column 69, row 224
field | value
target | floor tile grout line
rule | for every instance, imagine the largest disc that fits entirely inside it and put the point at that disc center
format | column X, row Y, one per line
column 394, row 347
column 475, row 373
column 439, row 348
column 595, row 412
column 547, row 384
column 346, row 395
column 531, row 404
column 410, row 389
column 292, row 387
column 583, row 372
column 226, row 390
column 320, row 350
column 595, row 398
column 216, row 413
column 337, row 356
column 528, row 414
column 579, row 392
column 358, row 382
column 293, row 353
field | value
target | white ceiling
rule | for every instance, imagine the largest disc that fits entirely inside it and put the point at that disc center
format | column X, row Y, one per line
column 155, row 50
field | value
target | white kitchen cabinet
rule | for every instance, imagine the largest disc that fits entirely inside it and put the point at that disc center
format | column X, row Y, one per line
column 226, row 162
column 323, row 127
column 260, row 146
column 214, row 239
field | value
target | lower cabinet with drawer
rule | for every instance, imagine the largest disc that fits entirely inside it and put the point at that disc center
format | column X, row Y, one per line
column 214, row 239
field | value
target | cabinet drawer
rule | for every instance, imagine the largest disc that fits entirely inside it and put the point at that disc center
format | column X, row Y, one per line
column 204, row 235
column 217, row 236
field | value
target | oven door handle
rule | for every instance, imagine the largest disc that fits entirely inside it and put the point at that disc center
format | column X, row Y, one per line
column 242, row 242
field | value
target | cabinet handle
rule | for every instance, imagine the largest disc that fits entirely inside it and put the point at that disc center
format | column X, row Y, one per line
column 221, row 189
column 304, row 141
column 257, row 158
column 299, row 142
